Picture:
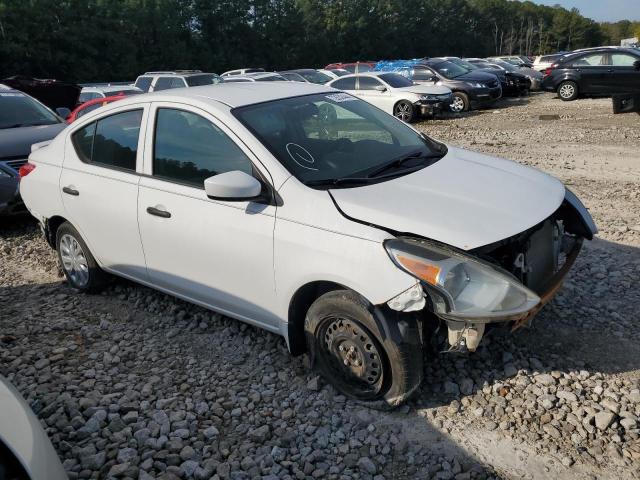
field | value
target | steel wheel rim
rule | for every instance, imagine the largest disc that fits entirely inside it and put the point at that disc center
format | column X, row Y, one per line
column 457, row 105
column 403, row 111
column 74, row 261
column 567, row 91
column 352, row 356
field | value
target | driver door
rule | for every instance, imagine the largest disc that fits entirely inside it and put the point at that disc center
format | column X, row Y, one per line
column 215, row 253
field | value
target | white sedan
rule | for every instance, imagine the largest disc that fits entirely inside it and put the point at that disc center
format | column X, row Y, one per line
column 310, row 213
column 396, row 94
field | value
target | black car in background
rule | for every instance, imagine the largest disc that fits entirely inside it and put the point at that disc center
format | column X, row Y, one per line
column 513, row 84
column 594, row 72
column 470, row 88
column 23, row 122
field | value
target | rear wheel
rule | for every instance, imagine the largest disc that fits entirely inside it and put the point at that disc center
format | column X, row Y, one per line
column 79, row 266
column 404, row 111
column 348, row 350
column 460, row 102
column 568, row 91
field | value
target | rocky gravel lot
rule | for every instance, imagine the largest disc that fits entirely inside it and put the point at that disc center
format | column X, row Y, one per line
column 136, row 384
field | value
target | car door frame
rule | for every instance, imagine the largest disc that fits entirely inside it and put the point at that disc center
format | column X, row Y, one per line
column 273, row 323
column 624, row 78
column 104, row 171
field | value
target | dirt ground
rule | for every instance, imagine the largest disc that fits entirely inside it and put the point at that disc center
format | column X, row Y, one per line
column 136, row 384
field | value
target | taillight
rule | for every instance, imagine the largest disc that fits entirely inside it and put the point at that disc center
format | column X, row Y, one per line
column 26, row 169
column 547, row 72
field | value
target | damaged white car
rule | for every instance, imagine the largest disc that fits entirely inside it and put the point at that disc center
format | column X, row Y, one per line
column 310, row 213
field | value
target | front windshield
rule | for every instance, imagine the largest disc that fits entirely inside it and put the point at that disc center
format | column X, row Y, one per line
column 463, row 63
column 334, row 136
column 509, row 67
column 19, row 110
column 271, row 78
column 314, row 76
column 396, row 80
column 205, row 79
column 449, row 69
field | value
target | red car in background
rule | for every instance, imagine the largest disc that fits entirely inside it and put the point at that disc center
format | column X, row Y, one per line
column 91, row 105
column 351, row 66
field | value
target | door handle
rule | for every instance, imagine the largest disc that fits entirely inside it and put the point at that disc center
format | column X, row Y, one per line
column 70, row 191
column 158, row 213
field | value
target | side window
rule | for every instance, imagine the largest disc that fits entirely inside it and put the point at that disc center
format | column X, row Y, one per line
column 177, row 82
column 422, row 74
column 368, row 83
column 345, row 84
column 83, row 141
column 163, row 83
column 143, row 83
column 623, row 60
column 111, row 141
column 189, row 148
column 86, row 96
column 594, row 60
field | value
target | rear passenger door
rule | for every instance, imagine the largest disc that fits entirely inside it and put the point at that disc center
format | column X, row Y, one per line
column 99, row 187
column 594, row 73
column 216, row 253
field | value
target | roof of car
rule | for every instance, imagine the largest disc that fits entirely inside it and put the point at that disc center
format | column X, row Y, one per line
column 235, row 94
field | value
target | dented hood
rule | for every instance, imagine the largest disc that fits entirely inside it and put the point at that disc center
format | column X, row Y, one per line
column 465, row 199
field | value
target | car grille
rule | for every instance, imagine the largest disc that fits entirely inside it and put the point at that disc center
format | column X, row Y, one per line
column 15, row 164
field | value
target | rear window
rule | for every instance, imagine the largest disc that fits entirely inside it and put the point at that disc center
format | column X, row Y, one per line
column 206, row 79
column 548, row 58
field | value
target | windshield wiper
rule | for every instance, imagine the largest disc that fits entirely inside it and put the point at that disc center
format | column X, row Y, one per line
column 399, row 161
column 336, row 182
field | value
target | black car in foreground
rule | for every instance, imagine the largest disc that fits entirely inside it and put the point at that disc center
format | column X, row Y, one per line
column 470, row 88
column 23, row 122
column 595, row 72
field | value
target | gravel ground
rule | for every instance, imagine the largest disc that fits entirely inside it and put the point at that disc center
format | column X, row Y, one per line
column 136, row 384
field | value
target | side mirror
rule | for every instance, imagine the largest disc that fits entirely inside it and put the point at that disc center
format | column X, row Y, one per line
column 381, row 88
column 234, row 186
column 63, row 112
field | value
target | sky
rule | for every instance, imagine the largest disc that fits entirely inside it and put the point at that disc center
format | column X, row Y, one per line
column 601, row 10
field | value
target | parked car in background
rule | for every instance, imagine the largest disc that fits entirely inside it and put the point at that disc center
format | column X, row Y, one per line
column 335, row 72
column 517, row 60
column 542, row 62
column 92, row 105
column 471, row 89
column 374, row 234
column 23, row 122
column 26, row 452
column 395, row 94
column 352, row 67
column 594, row 72
column 241, row 71
column 156, row 81
column 530, row 73
column 61, row 97
column 512, row 82
column 308, row 75
column 91, row 93
column 256, row 77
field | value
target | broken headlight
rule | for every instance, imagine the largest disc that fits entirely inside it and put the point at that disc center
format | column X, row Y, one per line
column 462, row 287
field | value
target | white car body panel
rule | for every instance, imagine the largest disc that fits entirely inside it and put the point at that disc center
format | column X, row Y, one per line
column 22, row 433
column 451, row 202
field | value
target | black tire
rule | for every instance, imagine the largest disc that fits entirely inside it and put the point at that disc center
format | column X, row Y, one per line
column 79, row 266
column 460, row 102
column 346, row 347
column 405, row 111
column 568, row 91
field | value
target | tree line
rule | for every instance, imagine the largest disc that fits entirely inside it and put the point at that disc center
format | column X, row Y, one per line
column 101, row 40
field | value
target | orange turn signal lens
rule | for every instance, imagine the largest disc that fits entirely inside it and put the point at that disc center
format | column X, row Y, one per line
column 424, row 271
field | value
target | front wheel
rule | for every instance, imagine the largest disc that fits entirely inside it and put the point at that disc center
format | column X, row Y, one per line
column 404, row 111
column 568, row 91
column 460, row 102
column 79, row 266
column 348, row 350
